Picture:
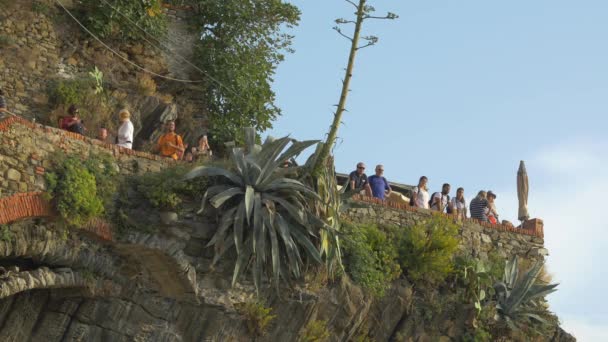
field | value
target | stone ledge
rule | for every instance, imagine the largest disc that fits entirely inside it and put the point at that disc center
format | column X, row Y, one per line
column 7, row 122
column 536, row 231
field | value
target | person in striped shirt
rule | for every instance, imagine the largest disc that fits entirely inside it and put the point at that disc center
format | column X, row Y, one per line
column 478, row 205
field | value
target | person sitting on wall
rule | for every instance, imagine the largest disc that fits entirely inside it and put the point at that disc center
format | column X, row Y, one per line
column 124, row 138
column 458, row 205
column 102, row 134
column 170, row 143
column 188, row 157
column 490, row 211
column 357, row 180
column 478, row 206
column 72, row 122
column 379, row 184
column 3, row 107
column 439, row 200
column 420, row 194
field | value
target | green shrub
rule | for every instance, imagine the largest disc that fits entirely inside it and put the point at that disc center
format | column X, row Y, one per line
column 105, row 21
column 74, row 190
column 257, row 316
column 371, row 256
column 82, row 189
column 67, row 92
column 164, row 189
column 426, row 250
column 5, row 233
column 315, row 331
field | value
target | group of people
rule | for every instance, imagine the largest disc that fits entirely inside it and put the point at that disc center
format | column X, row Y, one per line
column 482, row 207
column 170, row 144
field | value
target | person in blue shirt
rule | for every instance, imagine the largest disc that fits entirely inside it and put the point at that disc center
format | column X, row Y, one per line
column 379, row 184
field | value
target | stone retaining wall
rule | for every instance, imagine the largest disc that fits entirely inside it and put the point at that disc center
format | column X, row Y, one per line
column 25, row 149
column 29, row 53
column 476, row 237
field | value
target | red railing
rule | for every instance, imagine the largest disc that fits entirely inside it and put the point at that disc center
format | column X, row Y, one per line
column 532, row 227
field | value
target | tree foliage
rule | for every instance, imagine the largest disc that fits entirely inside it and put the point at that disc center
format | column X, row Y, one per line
column 242, row 43
column 105, row 18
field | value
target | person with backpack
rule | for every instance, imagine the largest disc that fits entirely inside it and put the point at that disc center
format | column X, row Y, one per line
column 420, row 194
column 379, row 184
column 72, row 122
column 439, row 201
column 170, row 144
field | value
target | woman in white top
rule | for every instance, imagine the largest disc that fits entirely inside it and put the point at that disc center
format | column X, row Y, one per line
column 420, row 194
column 125, row 131
column 458, row 205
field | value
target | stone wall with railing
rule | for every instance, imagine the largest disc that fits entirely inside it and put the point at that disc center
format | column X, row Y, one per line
column 477, row 238
column 26, row 150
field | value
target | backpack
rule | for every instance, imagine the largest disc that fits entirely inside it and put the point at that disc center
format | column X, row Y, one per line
column 433, row 196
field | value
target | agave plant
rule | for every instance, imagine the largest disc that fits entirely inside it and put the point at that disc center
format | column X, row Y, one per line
column 334, row 202
column 519, row 299
column 266, row 214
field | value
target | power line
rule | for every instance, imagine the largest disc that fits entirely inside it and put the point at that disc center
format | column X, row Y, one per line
column 206, row 74
column 119, row 55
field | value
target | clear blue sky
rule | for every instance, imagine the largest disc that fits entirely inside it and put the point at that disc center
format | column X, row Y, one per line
column 460, row 92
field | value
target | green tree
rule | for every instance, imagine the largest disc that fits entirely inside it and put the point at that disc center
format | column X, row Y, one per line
column 105, row 17
column 242, row 43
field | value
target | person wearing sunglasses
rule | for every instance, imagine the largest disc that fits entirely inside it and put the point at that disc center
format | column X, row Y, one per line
column 357, row 180
column 379, row 184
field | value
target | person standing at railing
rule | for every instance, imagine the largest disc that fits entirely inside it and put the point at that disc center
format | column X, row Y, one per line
column 170, row 143
column 420, row 194
column 458, row 204
column 124, row 138
column 490, row 211
column 478, row 206
column 3, row 107
column 379, row 184
column 357, row 180
column 439, row 200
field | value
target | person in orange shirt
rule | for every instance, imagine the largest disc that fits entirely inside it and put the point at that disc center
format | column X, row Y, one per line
column 170, row 144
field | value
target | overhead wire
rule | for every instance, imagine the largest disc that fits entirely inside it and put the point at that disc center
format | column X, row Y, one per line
column 121, row 56
column 206, row 74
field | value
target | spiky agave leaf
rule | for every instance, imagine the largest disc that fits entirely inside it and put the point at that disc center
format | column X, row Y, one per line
column 517, row 298
column 266, row 216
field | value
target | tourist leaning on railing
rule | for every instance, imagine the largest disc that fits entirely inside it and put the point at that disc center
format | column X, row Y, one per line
column 170, row 143
column 124, row 138
column 439, row 200
column 379, row 184
column 458, row 204
column 72, row 122
column 490, row 211
column 478, row 206
column 357, row 180
column 420, row 194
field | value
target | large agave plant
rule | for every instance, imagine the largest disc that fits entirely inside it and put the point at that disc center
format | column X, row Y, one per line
column 266, row 214
column 519, row 298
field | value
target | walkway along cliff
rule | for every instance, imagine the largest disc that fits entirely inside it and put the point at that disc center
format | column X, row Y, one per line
column 96, row 285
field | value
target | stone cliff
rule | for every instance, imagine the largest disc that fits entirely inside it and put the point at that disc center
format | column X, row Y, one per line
column 92, row 284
